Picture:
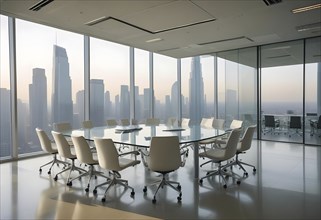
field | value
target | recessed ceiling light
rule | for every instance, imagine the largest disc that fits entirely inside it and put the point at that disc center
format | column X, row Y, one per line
column 309, row 27
column 154, row 40
column 306, row 8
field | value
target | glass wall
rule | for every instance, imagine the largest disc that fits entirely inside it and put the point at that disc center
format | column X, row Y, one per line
column 109, row 81
column 5, row 112
column 142, row 88
column 282, row 91
column 237, row 86
column 165, row 87
column 312, row 90
column 49, row 75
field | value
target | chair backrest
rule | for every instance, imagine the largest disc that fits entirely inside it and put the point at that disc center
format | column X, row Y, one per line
column 164, row 154
column 295, row 122
column 246, row 140
column 107, row 154
column 236, row 124
column 185, row 122
column 62, row 126
column 218, row 123
column 111, row 122
column 62, row 145
column 124, row 122
column 87, row 124
column 269, row 121
column 44, row 140
column 207, row 122
column 171, row 122
column 152, row 122
column 83, row 152
column 231, row 144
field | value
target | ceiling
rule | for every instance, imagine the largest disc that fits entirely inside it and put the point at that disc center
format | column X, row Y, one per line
column 186, row 28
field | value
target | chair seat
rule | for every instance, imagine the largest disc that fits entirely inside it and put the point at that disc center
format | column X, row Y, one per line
column 125, row 162
column 215, row 154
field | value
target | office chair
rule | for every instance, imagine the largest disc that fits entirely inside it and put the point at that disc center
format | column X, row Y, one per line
column 270, row 124
column 47, row 146
column 185, row 122
column 244, row 145
column 217, row 124
column 164, row 157
column 63, row 127
column 64, row 151
column 109, row 159
column 124, row 122
column 87, row 124
column 219, row 155
column 171, row 122
column 315, row 125
column 207, row 122
column 295, row 125
column 84, row 155
column 152, row 122
column 111, row 123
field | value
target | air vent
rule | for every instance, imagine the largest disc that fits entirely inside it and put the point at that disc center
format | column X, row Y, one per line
column 40, row 5
column 272, row 2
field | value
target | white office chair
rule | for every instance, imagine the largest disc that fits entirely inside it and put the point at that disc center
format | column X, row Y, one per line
column 207, row 122
column 164, row 157
column 152, row 122
column 219, row 155
column 244, row 145
column 65, row 152
column 235, row 124
column 185, row 122
column 48, row 146
column 171, row 122
column 111, row 123
column 87, row 124
column 216, row 124
column 124, row 122
column 84, row 155
column 109, row 159
column 63, row 127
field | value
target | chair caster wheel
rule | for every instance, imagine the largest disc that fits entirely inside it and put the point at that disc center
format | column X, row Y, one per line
column 132, row 193
column 95, row 191
column 225, row 186
column 55, row 178
column 179, row 187
column 95, row 177
column 254, row 170
column 145, row 189
column 201, row 181
column 103, row 199
column 179, row 199
column 40, row 170
column 154, row 201
column 87, row 189
column 49, row 172
column 69, row 184
column 238, row 182
column 246, row 174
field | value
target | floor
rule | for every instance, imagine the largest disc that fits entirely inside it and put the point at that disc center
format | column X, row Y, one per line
column 286, row 185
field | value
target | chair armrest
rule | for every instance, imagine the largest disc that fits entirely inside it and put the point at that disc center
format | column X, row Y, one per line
column 130, row 152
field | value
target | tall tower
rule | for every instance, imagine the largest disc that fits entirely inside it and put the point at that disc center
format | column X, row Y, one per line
column 61, row 107
column 196, row 92
column 124, row 102
column 38, row 101
column 96, row 102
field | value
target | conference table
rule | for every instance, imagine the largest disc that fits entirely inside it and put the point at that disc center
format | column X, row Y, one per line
column 140, row 136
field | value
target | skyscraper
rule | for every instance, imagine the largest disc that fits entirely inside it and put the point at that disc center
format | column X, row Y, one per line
column 124, row 102
column 108, row 106
column 96, row 101
column 196, row 92
column 62, row 109
column 38, row 101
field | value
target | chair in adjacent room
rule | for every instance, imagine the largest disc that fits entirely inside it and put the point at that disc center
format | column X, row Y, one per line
column 316, row 126
column 244, row 145
column 152, row 122
column 164, row 156
column 109, row 159
column 48, row 146
column 219, row 155
column 270, row 124
column 87, row 124
column 111, row 123
column 84, row 155
column 64, row 150
column 295, row 126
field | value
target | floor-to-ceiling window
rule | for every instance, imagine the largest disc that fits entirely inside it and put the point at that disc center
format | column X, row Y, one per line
column 312, row 90
column 5, row 112
column 49, row 74
column 142, row 88
column 282, row 91
column 237, row 86
column 165, row 87
column 109, row 81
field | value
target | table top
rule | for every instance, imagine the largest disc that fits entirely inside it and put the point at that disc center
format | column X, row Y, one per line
column 140, row 135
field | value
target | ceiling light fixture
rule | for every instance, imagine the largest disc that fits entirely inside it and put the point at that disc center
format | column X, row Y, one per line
column 309, row 27
column 40, row 5
column 306, row 8
column 154, row 40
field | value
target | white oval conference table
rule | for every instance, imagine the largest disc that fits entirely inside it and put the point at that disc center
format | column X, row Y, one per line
column 140, row 136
